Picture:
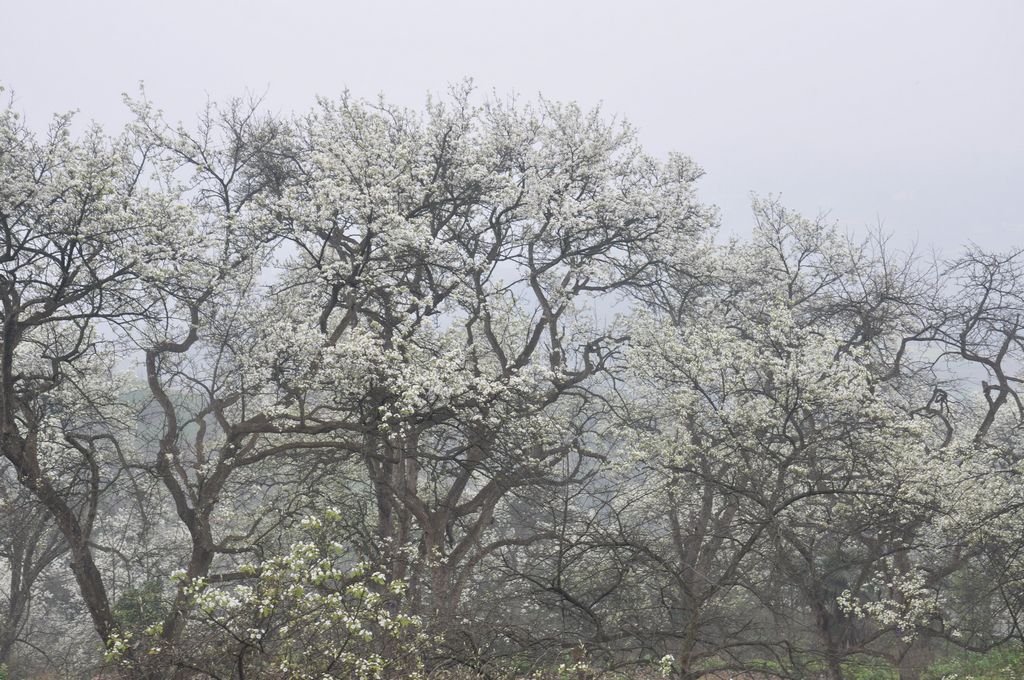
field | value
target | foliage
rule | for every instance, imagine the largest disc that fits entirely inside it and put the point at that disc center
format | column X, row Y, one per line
column 995, row 665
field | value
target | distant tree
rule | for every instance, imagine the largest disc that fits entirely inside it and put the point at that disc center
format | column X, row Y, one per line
column 29, row 544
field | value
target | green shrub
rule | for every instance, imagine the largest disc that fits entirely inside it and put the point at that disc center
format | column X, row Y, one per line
column 1002, row 664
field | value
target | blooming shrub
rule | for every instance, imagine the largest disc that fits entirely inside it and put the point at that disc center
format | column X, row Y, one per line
column 308, row 613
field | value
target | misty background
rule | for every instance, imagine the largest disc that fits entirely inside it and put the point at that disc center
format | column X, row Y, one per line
column 905, row 115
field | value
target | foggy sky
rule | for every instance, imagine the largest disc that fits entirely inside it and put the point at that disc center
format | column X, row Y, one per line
column 902, row 113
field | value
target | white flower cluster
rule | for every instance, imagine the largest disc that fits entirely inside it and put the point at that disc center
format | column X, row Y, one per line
column 313, row 613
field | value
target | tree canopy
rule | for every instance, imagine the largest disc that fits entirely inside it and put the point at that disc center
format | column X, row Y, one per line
column 479, row 391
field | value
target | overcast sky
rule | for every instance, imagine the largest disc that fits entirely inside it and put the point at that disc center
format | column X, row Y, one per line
column 904, row 113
